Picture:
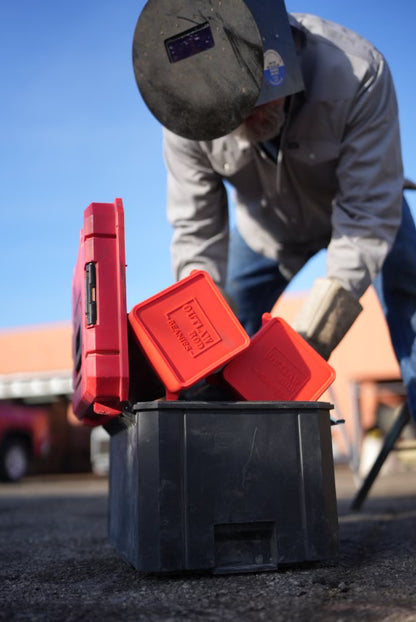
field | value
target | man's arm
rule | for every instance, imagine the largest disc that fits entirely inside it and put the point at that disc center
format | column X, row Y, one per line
column 197, row 209
column 366, row 213
column 367, row 210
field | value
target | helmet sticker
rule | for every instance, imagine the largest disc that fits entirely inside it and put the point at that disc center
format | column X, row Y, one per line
column 274, row 67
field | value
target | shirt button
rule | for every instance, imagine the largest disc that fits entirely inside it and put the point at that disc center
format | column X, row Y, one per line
column 263, row 202
column 226, row 167
column 312, row 156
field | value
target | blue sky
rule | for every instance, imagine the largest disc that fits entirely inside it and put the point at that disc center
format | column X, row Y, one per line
column 73, row 130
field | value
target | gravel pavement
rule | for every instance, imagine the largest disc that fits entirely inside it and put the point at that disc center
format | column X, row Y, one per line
column 56, row 563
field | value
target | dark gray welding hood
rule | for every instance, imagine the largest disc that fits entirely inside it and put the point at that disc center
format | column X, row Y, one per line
column 203, row 65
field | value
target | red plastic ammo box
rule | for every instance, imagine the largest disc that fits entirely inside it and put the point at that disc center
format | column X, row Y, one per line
column 187, row 331
column 279, row 365
column 99, row 316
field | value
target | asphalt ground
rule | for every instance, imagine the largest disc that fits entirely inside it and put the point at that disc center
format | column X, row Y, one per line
column 56, row 563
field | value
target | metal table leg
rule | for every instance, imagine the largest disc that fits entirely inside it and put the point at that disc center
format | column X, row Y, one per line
column 393, row 434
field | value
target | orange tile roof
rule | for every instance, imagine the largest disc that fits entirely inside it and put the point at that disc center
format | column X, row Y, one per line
column 36, row 348
column 365, row 351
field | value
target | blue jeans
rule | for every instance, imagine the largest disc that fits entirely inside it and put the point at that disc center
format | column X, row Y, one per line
column 255, row 282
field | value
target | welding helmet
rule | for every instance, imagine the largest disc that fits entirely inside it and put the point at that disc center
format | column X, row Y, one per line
column 201, row 66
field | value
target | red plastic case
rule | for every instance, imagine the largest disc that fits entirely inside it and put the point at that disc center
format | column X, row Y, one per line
column 187, row 331
column 99, row 316
column 279, row 365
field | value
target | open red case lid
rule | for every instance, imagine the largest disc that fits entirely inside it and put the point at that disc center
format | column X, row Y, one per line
column 279, row 365
column 187, row 331
column 99, row 316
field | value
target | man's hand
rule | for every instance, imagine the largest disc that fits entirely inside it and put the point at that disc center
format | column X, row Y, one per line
column 326, row 315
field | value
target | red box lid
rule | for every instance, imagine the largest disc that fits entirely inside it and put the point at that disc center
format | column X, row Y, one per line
column 99, row 345
column 187, row 331
column 278, row 365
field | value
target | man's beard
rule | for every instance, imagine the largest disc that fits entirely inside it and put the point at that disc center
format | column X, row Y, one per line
column 264, row 123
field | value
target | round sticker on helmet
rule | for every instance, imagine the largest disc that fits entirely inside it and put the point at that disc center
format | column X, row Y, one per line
column 274, row 67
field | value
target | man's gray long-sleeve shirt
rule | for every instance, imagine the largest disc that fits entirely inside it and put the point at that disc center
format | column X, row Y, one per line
column 337, row 182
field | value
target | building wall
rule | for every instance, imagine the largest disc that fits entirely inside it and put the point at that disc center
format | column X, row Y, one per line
column 36, row 367
column 363, row 362
column 364, row 356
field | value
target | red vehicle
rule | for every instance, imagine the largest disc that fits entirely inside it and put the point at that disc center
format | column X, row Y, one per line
column 24, row 437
